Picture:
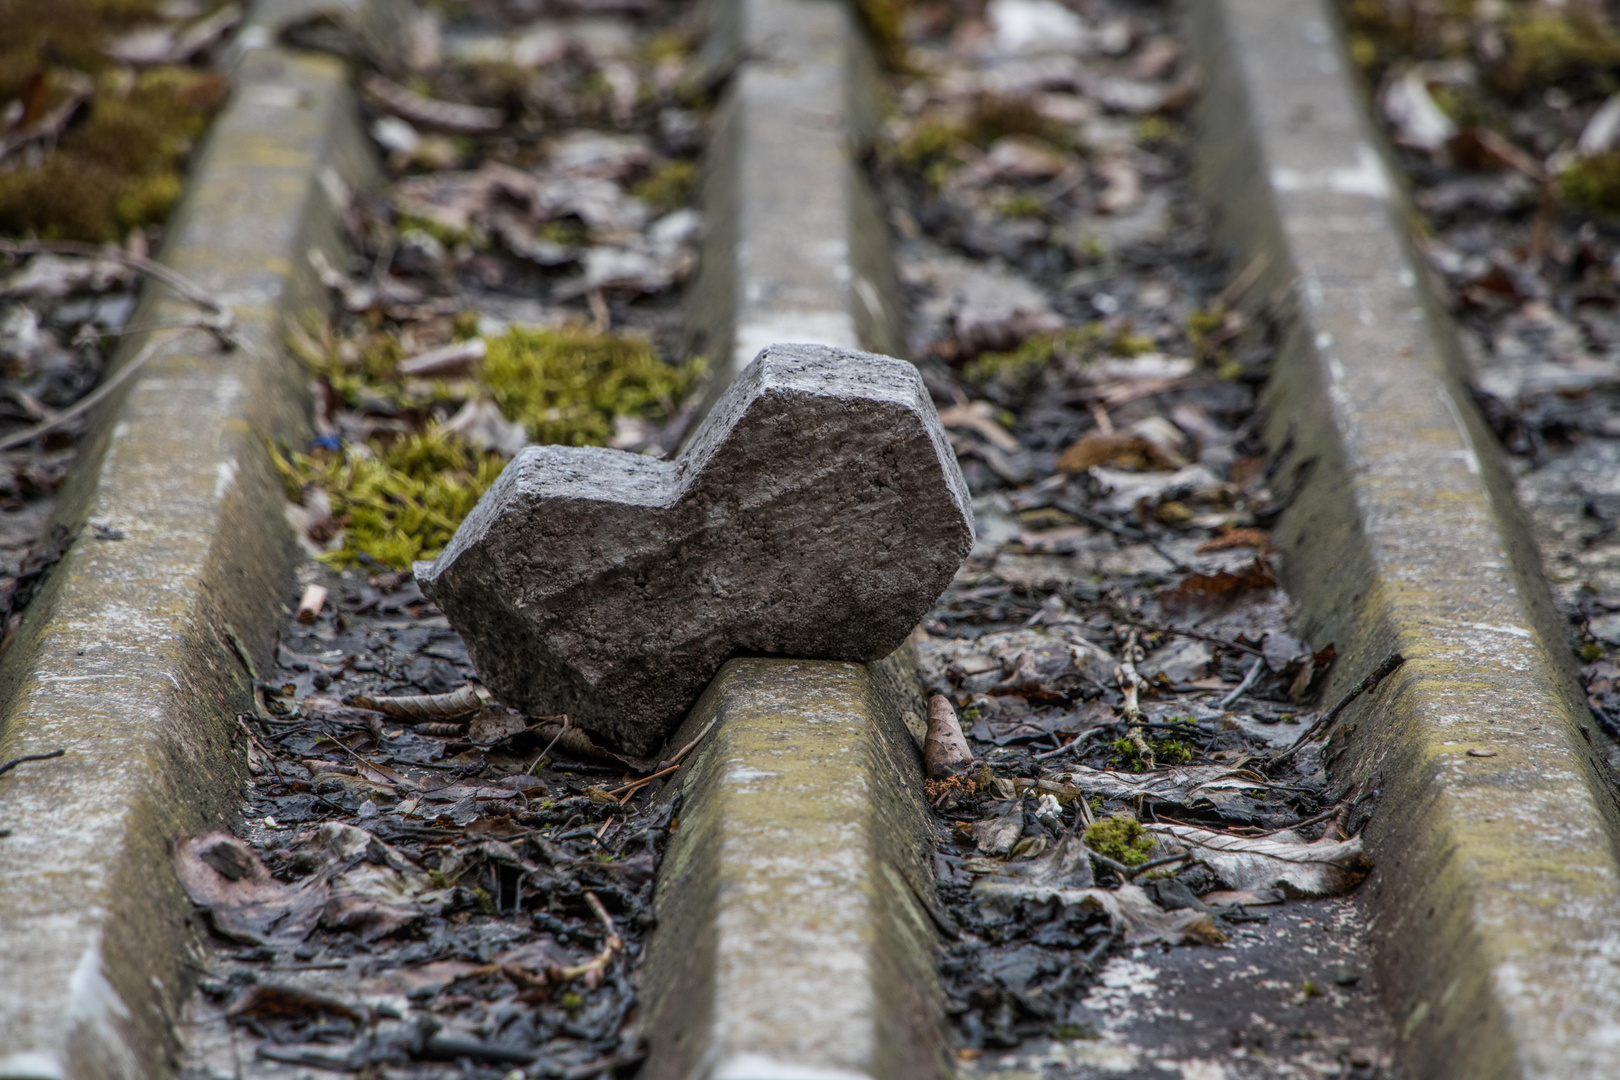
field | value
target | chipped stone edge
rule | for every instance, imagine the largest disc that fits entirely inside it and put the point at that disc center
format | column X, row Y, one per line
column 1495, row 903
column 134, row 656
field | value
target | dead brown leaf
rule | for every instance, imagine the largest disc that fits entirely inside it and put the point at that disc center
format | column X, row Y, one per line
column 1122, row 450
column 1203, row 593
column 1229, row 538
column 222, row 875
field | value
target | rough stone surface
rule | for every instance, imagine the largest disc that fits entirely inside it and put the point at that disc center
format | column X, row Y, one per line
column 817, row 513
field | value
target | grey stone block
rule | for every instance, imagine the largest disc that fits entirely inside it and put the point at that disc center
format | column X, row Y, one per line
column 817, row 513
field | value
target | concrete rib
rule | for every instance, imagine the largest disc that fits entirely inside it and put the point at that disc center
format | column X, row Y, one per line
column 792, row 941
column 130, row 659
column 1497, row 893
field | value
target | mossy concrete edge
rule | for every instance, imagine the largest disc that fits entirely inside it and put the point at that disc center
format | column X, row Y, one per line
column 793, row 930
column 132, row 659
column 795, row 248
column 1496, row 894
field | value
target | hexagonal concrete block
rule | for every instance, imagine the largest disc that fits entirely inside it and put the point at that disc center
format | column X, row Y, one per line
column 816, row 513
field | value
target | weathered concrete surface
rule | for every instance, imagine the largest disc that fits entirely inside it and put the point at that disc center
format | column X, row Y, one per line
column 791, row 940
column 127, row 659
column 817, row 512
column 1497, row 892
column 795, row 248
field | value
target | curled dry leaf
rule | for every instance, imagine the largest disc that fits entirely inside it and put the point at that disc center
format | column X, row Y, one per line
column 426, row 708
column 1326, row 867
column 1197, row 787
column 267, row 1001
column 1134, row 917
column 223, row 876
column 997, row 835
column 1121, row 449
column 945, row 750
column 429, row 112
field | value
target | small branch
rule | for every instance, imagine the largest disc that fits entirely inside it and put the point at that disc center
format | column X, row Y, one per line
column 567, row 722
column 1324, row 726
column 610, row 945
column 674, row 763
column 1242, row 687
column 175, row 280
column 14, row 762
column 1074, row 743
column 1117, row 867
column 1154, row 864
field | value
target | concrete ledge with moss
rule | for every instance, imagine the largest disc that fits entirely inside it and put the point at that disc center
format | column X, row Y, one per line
column 136, row 658
column 1496, row 897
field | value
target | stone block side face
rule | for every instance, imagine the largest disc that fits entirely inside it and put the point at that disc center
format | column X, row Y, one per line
column 127, row 659
column 1496, row 891
column 823, row 515
column 790, row 936
column 797, row 250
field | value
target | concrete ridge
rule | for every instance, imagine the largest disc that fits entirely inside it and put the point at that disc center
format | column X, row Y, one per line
column 132, row 658
column 1496, row 897
column 791, row 941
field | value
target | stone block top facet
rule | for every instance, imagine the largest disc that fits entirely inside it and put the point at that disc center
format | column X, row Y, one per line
column 817, row 512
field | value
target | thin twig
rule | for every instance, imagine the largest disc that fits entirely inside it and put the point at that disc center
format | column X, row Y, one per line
column 175, row 280
column 610, row 945
column 1332, row 811
column 1119, row 868
column 1073, row 743
column 270, row 759
column 1243, row 687
column 1130, row 684
column 14, row 762
column 566, row 724
column 84, row 404
column 674, row 763
column 1324, row 725
column 1125, row 533
column 1176, row 631
column 1154, row 864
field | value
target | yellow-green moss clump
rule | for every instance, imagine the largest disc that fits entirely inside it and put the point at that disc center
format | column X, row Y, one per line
column 1593, row 184
column 117, row 165
column 669, row 186
column 400, row 502
column 1076, row 345
column 567, row 385
column 1121, row 838
column 400, row 498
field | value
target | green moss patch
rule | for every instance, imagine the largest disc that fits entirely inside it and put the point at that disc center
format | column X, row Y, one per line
column 400, row 497
column 118, row 164
column 1121, row 838
column 566, row 386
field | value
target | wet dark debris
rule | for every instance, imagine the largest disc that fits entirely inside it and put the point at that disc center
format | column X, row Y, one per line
column 466, row 882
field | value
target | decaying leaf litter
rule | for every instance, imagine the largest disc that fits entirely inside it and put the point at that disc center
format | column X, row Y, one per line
column 1134, row 872
column 1506, row 122
column 101, row 105
column 518, row 278
column 427, row 881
